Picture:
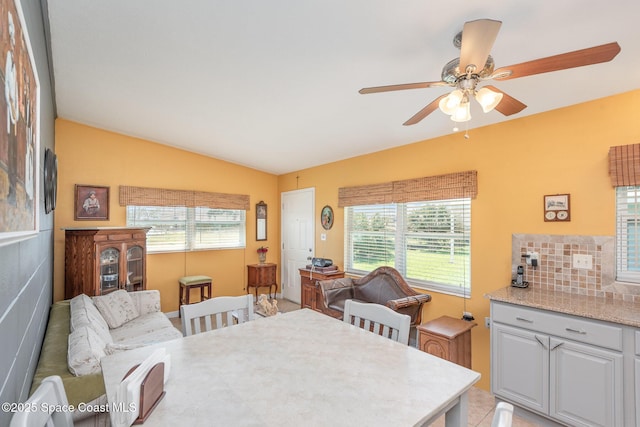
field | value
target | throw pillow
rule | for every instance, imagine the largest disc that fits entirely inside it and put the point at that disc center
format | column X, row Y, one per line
column 116, row 308
column 83, row 301
column 84, row 352
column 85, row 313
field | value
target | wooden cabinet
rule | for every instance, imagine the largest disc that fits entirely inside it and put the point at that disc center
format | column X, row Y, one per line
column 447, row 338
column 311, row 294
column 262, row 275
column 103, row 259
column 564, row 367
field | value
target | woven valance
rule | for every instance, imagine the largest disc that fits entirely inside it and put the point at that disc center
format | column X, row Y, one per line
column 376, row 194
column 441, row 187
column 624, row 165
column 143, row 196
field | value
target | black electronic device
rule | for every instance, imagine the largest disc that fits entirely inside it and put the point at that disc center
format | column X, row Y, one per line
column 321, row 262
column 519, row 281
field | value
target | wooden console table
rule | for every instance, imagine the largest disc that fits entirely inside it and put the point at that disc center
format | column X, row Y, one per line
column 311, row 294
column 447, row 338
column 262, row 275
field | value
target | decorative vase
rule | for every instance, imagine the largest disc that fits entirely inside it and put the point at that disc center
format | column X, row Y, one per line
column 262, row 257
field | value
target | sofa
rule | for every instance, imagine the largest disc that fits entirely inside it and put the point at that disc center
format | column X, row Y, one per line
column 384, row 286
column 82, row 330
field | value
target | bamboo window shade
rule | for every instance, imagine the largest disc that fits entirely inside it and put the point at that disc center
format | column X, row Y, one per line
column 440, row 187
column 143, row 196
column 624, row 165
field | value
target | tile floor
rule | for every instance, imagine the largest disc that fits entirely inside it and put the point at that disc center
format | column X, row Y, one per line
column 481, row 402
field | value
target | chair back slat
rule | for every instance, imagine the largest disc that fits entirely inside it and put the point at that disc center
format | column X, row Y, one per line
column 49, row 394
column 226, row 311
column 378, row 319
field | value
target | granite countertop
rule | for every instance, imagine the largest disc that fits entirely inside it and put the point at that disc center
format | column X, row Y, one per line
column 609, row 310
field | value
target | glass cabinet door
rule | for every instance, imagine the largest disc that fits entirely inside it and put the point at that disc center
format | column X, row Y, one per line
column 109, row 267
column 135, row 268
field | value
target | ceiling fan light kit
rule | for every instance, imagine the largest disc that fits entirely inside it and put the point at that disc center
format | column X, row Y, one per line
column 488, row 99
column 464, row 73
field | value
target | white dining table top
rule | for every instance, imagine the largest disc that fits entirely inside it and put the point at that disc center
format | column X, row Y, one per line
column 297, row 368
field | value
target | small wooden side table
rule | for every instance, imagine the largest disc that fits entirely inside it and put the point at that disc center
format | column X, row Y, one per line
column 262, row 275
column 447, row 338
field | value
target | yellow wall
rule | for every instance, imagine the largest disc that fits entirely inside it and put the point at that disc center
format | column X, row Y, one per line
column 518, row 162
column 95, row 157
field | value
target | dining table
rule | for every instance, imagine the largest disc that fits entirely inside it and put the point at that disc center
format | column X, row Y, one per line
column 298, row 368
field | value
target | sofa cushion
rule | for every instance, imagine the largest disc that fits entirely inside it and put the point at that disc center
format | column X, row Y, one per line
column 144, row 330
column 85, row 351
column 85, row 313
column 54, row 355
column 116, row 308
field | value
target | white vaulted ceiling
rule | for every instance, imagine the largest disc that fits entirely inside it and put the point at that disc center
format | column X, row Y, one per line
column 273, row 84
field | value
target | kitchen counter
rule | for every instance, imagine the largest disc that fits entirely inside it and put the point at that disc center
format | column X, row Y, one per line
column 609, row 310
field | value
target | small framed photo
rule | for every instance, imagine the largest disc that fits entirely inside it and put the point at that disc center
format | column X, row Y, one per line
column 557, row 208
column 91, row 203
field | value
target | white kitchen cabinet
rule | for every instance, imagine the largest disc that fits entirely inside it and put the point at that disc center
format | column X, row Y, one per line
column 520, row 366
column 564, row 367
column 585, row 384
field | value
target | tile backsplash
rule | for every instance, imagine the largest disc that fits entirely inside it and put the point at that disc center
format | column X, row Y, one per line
column 555, row 270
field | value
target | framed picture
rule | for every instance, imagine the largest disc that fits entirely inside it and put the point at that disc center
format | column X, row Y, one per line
column 326, row 217
column 20, row 139
column 91, row 203
column 557, row 208
column 261, row 221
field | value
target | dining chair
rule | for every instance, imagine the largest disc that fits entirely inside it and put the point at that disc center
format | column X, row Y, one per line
column 49, row 394
column 225, row 310
column 503, row 416
column 378, row 319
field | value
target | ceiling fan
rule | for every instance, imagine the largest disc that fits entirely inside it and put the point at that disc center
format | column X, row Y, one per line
column 476, row 65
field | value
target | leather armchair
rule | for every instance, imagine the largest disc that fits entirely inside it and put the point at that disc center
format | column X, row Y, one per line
column 383, row 285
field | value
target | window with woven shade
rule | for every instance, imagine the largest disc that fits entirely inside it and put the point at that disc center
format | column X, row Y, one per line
column 421, row 227
column 624, row 170
column 183, row 220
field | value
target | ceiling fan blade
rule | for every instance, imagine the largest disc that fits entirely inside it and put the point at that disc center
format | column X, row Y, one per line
column 477, row 40
column 424, row 112
column 508, row 105
column 577, row 58
column 405, row 86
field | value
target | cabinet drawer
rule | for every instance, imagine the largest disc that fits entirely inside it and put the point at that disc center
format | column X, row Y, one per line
column 558, row 324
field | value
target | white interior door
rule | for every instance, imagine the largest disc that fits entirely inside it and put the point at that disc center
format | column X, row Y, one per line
column 298, row 238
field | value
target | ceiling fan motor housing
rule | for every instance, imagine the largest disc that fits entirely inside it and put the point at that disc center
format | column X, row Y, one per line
column 451, row 72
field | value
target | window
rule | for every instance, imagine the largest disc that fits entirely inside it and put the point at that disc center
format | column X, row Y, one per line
column 628, row 234
column 427, row 242
column 179, row 228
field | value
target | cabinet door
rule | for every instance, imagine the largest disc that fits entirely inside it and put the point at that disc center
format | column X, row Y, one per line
column 134, row 268
column 109, row 269
column 308, row 296
column 586, row 384
column 520, row 366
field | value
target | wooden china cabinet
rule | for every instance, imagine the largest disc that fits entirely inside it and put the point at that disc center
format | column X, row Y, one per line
column 100, row 260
